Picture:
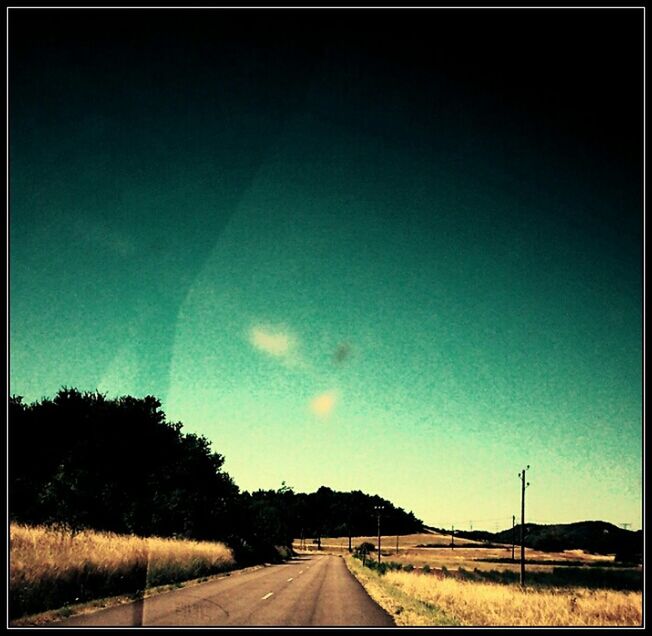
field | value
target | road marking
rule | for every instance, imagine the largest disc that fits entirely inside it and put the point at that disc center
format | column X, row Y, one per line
column 266, row 596
column 290, row 579
column 301, row 572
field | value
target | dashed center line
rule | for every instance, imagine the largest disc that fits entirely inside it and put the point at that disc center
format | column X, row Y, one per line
column 266, row 596
column 301, row 572
column 290, row 579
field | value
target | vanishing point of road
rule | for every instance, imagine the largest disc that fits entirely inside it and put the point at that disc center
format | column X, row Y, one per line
column 309, row 590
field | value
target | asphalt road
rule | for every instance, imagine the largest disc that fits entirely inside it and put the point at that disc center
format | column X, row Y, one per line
column 310, row 590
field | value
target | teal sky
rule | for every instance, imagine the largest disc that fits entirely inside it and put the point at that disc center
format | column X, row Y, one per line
column 341, row 272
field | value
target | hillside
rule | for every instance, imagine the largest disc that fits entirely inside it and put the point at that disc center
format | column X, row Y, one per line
column 599, row 537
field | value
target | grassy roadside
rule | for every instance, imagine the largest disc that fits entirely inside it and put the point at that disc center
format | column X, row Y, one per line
column 424, row 599
column 50, row 569
column 406, row 610
column 52, row 616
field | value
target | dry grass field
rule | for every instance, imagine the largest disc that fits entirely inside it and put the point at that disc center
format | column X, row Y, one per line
column 569, row 588
column 420, row 599
column 465, row 554
column 50, row 568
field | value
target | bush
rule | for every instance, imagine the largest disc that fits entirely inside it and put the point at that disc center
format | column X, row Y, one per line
column 364, row 549
column 408, row 567
column 382, row 567
column 465, row 575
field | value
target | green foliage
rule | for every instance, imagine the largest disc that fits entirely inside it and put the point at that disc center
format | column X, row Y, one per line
column 383, row 566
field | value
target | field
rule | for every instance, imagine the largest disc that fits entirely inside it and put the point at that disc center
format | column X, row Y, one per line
column 466, row 553
column 450, row 586
column 414, row 598
column 51, row 569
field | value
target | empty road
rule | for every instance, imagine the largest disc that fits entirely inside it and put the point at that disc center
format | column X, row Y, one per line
column 310, row 590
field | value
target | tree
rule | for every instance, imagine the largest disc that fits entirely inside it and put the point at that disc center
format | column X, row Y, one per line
column 363, row 550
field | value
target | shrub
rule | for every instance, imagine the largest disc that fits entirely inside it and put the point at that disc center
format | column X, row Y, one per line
column 363, row 549
column 366, row 547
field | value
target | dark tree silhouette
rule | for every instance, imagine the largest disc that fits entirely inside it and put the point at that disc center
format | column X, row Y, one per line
column 81, row 460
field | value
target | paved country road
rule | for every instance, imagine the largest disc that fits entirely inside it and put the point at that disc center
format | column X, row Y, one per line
column 310, row 590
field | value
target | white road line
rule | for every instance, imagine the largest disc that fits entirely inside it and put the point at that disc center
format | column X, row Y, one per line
column 290, row 579
column 266, row 596
column 301, row 572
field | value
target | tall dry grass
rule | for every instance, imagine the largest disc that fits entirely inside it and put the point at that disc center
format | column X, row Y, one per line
column 51, row 568
column 481, row 604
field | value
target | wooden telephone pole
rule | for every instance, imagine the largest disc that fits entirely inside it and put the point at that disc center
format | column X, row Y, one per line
column 523, row 487
column 378, row 510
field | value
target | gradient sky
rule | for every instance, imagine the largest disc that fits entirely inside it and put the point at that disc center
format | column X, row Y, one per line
column 397, row 251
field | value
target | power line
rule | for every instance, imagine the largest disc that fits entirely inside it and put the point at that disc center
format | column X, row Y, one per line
column 462, row 521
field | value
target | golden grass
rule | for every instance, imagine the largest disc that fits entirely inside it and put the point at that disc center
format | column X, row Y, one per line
column 404, row 609
column 50, row 568
column 474, row 603
column 491, row 604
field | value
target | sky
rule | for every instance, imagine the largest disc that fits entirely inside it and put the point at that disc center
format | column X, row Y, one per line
column 394, row 251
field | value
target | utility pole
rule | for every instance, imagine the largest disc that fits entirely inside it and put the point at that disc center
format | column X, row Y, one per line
column 396, row 544
column 348, row 530
column 378, row 510
column 523, row 487
column 453, row 538
column 513, row 535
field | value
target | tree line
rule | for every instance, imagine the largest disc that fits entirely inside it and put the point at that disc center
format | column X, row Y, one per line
column 82, row 460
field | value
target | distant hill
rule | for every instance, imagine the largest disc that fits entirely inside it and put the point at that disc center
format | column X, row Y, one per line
column 599, row 537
